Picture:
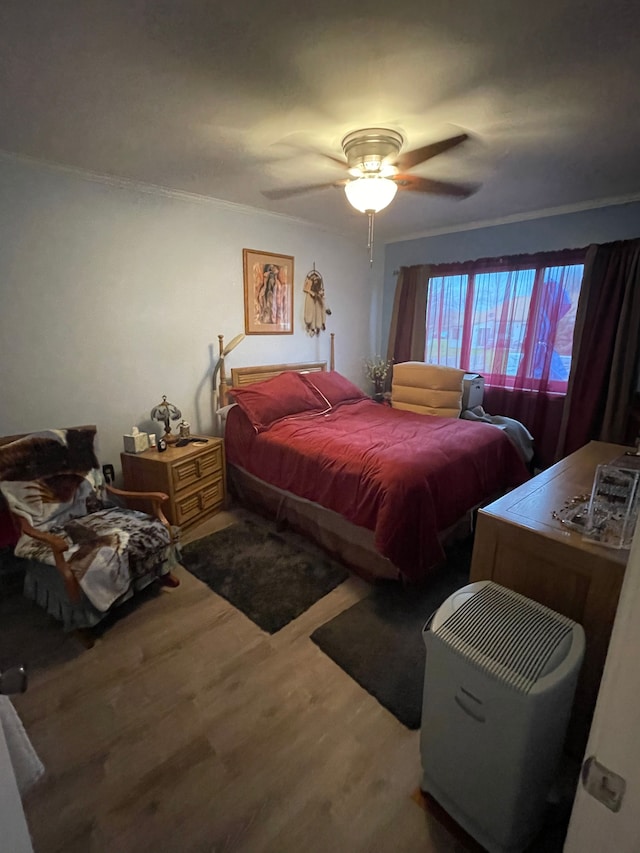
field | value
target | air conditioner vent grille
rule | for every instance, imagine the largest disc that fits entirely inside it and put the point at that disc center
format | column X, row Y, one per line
column 511, row 637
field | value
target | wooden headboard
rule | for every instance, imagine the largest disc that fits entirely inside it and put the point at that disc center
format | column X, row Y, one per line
column 243, row 376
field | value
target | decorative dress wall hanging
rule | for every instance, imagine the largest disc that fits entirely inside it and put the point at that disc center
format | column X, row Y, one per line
column 315, row 309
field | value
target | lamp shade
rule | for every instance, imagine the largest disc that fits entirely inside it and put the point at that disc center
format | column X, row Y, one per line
column 370, row 193
column 165, row 412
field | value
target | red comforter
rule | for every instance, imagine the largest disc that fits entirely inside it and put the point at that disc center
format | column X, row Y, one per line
column 405, row 476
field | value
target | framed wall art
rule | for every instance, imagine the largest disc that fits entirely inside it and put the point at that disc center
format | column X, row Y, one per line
column 268, row 293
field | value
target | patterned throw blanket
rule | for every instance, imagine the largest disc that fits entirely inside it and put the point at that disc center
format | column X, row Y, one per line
column 52, row 479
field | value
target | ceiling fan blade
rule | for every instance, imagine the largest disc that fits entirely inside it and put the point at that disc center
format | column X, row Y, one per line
column 288, row 192
column 342, row 163
column 420, row 155
column 427, row 185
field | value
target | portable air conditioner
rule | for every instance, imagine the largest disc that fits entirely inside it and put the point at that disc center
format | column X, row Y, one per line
column 500, row 675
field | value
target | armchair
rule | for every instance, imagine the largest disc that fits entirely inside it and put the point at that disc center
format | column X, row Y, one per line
column 82, row 553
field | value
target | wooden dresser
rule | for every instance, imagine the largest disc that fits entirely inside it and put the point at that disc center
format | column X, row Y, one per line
column 520, row 545
column 193, row 476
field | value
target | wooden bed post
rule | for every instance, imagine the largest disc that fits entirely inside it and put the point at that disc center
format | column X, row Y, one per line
column 332, row 356
column 222, row 385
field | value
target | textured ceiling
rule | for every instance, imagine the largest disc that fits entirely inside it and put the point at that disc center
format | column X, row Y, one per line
column 227, row 99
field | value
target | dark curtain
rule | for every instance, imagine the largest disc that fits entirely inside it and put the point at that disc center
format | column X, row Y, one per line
column 606, row 348
column 407, row 335
column 540, row 412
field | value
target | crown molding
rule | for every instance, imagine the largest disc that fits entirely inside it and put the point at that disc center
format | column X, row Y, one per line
column 166, row 192
column 594, row 204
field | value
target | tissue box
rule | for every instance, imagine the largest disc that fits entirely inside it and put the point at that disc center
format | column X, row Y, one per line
column 136, row 442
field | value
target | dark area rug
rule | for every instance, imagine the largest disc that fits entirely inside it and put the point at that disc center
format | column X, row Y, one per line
column 272, row 576
column 378, row 641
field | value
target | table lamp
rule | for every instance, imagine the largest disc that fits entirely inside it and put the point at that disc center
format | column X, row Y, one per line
column 166, row 412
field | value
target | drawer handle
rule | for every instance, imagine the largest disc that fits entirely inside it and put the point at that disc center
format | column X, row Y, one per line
column 198, row 473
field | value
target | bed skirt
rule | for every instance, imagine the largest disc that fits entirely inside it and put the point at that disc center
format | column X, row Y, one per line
column 351, row 544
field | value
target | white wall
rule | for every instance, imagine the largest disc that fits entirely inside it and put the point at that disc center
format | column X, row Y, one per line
column 614, row 737
column 113, row 295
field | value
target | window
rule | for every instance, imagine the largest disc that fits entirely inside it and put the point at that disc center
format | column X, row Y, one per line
column 511, row 320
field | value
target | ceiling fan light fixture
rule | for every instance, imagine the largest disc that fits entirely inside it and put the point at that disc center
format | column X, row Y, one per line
column 369, row 148
column 370, row 193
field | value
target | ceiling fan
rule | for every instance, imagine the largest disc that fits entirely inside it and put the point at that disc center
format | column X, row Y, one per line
column 378, row 169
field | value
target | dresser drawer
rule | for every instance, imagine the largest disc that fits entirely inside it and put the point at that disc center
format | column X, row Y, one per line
column 191, row 471
column 191, row 506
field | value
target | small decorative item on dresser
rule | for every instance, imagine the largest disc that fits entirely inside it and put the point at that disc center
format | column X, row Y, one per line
column 166, row 412
column 614, row 505
column 184, row 429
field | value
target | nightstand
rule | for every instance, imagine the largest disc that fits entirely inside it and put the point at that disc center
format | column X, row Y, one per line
column 193, row 476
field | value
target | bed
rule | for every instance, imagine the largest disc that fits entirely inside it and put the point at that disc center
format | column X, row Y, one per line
column 381, row 488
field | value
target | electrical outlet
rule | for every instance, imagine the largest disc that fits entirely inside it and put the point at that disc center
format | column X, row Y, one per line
column 603, row 784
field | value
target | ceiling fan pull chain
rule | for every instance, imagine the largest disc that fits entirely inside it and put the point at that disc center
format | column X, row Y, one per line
column 371, row 216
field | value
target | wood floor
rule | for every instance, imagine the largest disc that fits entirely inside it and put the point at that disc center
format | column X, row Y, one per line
column 188, row 729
